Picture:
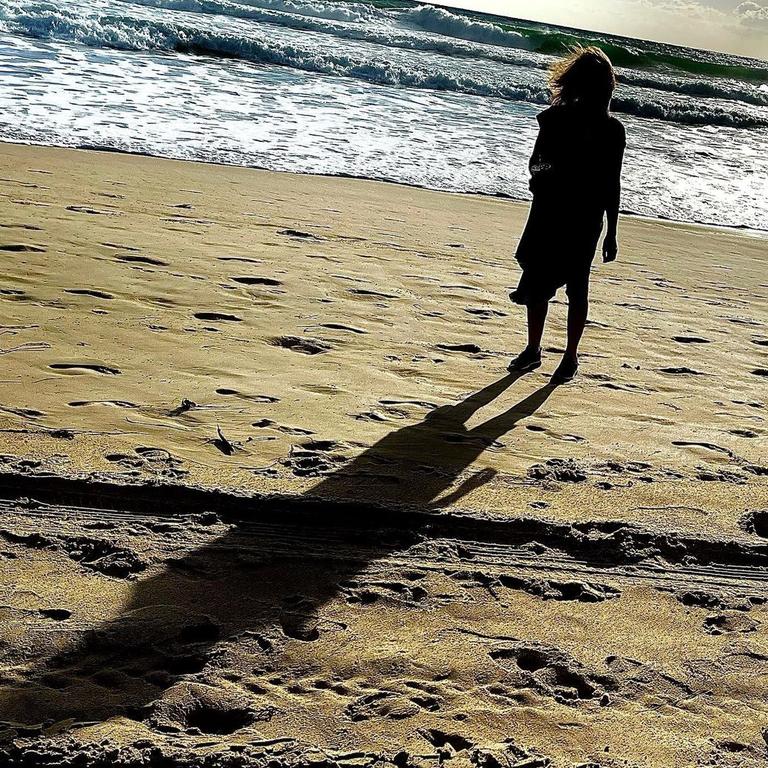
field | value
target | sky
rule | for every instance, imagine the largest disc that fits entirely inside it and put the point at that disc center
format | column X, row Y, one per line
column 735, row 26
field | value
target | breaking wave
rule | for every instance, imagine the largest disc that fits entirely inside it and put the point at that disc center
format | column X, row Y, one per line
column 654, row 56
column 374, row 66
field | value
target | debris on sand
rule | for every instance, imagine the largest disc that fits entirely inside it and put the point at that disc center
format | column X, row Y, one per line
column 186, row 405
column 227, row 447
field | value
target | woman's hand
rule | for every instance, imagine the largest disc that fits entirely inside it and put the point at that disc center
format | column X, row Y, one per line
column 610, row 247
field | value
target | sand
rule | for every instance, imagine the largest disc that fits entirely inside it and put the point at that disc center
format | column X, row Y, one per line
column 269, row 497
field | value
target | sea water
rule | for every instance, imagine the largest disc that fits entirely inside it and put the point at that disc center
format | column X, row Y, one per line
column 385, row 90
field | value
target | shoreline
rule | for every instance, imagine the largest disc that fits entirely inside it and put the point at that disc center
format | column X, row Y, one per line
column 749, row 231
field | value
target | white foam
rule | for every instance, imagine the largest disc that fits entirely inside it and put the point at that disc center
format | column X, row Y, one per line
column 380, row 97
column 443, row 22
column 369, row 64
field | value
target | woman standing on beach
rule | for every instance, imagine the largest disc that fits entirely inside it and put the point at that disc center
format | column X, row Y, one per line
column 575, row 179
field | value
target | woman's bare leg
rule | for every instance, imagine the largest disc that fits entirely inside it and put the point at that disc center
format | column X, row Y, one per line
column 530, row 358
column 578, row 309
column 537, row 316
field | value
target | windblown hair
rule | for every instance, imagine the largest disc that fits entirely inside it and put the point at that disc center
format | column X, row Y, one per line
column 583, row 77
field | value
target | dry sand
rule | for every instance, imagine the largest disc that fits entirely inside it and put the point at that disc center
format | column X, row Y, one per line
column 269, row 499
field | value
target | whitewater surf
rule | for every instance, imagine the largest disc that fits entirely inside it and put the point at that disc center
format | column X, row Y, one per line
column 387, row 90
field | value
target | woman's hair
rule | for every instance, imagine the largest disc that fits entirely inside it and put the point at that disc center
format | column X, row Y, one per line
column 585, row 76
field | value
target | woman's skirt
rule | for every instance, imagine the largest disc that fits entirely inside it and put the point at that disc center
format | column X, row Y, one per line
column 556, row 248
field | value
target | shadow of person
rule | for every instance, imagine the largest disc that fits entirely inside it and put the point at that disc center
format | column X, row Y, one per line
column 263, row 582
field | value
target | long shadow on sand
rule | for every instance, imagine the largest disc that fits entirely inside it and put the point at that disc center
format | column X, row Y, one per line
column 266, row 583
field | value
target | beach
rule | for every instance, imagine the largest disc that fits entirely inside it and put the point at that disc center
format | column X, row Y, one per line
column 270, row 497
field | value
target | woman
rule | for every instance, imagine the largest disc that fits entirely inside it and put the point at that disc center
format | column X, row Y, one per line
column 575, row 179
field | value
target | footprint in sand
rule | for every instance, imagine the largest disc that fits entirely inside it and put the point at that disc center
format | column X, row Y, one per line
column 562, row 591
column 204, row 710
column 756, row 521
column 157, row 461
column 691, row 340
column 372, row 294
column 27, row 227
column 484, row 314
column 77, row 368
column 549, row 671
column 256, row 398
column 366, row 592
column 34, row 203
column 56, row 614
column 697, row 444
column 681, row 371
column 268, row 281
column 22, row 248
column 269, row 424
column 178, row 219
column 93, row 211
column 27, row 413
column 743, row 432
column 383, row 705
column 218, row 317
column 89, row 292
column 321, row 389
column 29, row 346
column 637, row 307
column 314, row 458
column 741, row 320
column 729, row 622
column 298, row 234
column 302, row 345
column 469, row 348
column 245, row 259
column 142, row 260
column 426, row 405
column 323, row 257
column 341, row 327
column 119, row 247
column 379, row 416
column 555, row 435
column 113, row 403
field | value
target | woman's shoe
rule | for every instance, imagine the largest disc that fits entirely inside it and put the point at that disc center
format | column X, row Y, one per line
column 527, row 360
column 565, row 371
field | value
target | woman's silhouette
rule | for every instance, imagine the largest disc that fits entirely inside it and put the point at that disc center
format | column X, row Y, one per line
column 575, row 179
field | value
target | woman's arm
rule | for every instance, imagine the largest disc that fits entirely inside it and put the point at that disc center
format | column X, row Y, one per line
column 534, row 164
column 613, row 200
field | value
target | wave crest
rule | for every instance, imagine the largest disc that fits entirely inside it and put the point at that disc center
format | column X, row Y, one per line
column 442, row 22
column 113, row 31
column 557, row 42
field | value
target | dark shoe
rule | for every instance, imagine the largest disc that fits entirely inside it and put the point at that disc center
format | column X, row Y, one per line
column 525, row 361
column 565, row 371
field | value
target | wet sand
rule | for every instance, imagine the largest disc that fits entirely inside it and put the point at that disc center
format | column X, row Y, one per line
column 268, row 494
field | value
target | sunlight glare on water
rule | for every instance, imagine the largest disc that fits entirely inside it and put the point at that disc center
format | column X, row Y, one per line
column 355, row 89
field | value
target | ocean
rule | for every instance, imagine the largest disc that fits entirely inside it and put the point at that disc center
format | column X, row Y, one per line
column 385, row 90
